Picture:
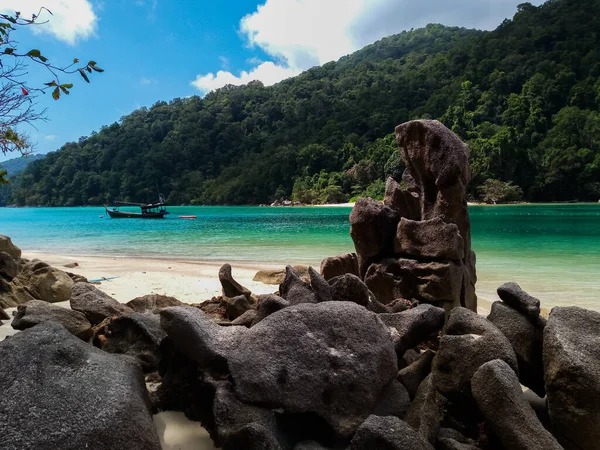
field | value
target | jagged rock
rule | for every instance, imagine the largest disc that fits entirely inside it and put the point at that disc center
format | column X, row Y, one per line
column 449, row 439
column 393, row 401
column 526, row 337
column 13, row 293
column 310, row 445
column 95, row 304
column 439, row 283
column 319, row 286
column 539, row 406
column 267, row 305
column 71, row 265
column 332, row 359
column 429, row 239
column 469, row 341
column 414, row 325
column 515, row 297
column 336, row 266
column 237, row 306
column 349, row 288
column 153, row 303
column 372, row 228
column 7, row 246
column 44, row 282
column 138, row 335
column 498, row 394
column 70, row 395
column 295, row 290
column 231, row 288
column 277, row 276
column 387, row 433
column 572, row 373
column 412, row 376
column 214, row 310
column 198, row 338
column 8, row 266
column 232, row 415
column 427, row 410
column 402, row 200
column 35, row 312
column 246, row 319
column 4, row 315
column 77, row 278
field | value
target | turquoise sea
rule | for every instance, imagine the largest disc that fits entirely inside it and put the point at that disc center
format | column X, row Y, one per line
column 553, row 251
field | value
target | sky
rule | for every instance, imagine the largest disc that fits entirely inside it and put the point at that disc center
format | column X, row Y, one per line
column 158, row 50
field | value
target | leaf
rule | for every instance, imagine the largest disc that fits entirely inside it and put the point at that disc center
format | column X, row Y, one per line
column 9, row 51
column 65, row 90
column 75, row 61
column 34, row 53
column 92, row 63
column 84, row 75
column 97, row 69
column 89, row 69
column 56, row 94
column 52, row 83
column 67, row 85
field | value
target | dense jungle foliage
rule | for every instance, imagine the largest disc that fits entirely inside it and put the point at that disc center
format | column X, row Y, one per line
column 526, row 98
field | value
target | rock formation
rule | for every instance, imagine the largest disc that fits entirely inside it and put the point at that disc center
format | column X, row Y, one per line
column 417, row 244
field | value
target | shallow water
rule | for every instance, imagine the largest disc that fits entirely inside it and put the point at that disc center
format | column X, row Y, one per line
column 553, row 251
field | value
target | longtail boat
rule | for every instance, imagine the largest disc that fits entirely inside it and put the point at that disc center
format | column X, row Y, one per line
column 148, row 211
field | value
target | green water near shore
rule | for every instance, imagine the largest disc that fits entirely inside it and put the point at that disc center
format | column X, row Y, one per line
column 553, row 251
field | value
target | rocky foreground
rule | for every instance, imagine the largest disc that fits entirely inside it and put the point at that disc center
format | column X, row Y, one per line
column 380, row 349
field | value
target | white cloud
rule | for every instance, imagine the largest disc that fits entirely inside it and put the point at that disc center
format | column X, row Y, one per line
column 145, row 81
column 71, row 20
column 300, row 34
column 50, row 137
column 268, row 72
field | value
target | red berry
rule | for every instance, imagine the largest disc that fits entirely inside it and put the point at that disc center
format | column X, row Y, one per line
column 24, row 91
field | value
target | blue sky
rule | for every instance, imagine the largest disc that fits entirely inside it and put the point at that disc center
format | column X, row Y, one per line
column 155, row 50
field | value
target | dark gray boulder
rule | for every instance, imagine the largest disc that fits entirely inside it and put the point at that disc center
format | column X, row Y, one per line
column 339, row 265
column 8, row 266
column 469, row 341
column 295, row 289
column 246, row 319
column 198, row 338
column 7, row 246
column 153, row 303
column 498, row 394
column 372, row 228
column 236, row 306
column 515, row 297
column 231, row 288
column 95, row 304
column 349, row 288
column 231, row 417
column 414, row 325
column 402, row 200
column 139, row 335
column 572, row 374
column 450, row 439
column 393, row 401
column 429, row 239
column 526, row 336
column 35, row 312
column 267, row 305
column 332, row 359
column 387, row 433
column 412, row 376
column 4, row 315
column 319, row 286
column 70, row 395
column 426, row 412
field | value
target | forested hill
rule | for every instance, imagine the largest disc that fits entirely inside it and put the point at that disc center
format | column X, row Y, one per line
column 525, row 97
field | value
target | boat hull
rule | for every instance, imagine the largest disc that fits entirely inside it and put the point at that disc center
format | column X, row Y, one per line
column 132, row 215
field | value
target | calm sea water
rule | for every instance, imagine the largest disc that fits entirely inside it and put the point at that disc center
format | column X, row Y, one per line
column 553, row 251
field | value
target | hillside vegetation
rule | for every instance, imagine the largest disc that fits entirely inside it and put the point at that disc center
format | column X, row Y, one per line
column 525, row 97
